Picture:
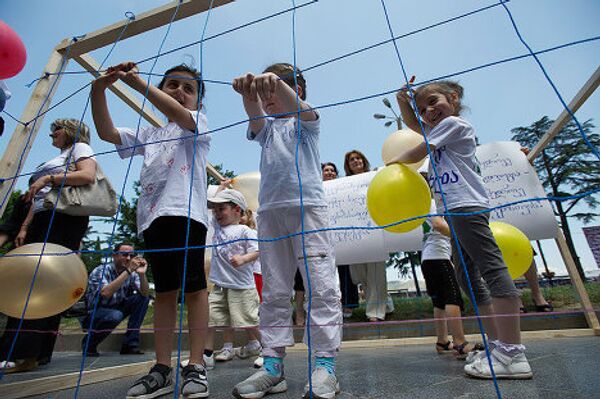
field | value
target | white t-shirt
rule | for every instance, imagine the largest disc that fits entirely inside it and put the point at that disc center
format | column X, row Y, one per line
column 166, row 171
column 435, row 244
column 57, row 166
column 279, row 179
column 457, row 166
column 222, row 273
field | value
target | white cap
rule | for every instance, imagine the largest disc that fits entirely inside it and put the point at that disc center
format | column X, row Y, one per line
column 229, row 195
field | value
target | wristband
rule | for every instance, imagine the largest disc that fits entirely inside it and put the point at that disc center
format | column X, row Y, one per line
column 128, row 272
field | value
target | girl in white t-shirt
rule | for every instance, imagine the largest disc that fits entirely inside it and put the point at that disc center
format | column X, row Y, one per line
column 452, row 145
column 173, row 154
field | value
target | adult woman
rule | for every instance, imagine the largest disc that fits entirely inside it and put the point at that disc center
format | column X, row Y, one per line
column 371, row 276
column 347, row 286
column 72, row 138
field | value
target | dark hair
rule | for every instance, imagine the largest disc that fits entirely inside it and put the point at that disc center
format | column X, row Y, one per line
column 366, row 163
column 445, row 87
column 192, row 71
column 285, row 72
column 330, row 164
column 118, row 245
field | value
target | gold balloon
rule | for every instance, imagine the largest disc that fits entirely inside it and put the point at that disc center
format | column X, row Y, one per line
column 248, row 184
column 60, row 281
column 399, row 143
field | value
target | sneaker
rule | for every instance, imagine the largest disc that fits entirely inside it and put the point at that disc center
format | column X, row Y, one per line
column 505, row 367
column 258, row 363
column 324, row 385
column 258, row 385
column 195, row 384
column 157, row 382
column 224, row 355
column 245, row 353
column 209, row 361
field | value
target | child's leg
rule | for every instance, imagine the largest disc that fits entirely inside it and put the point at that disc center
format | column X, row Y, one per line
column 326, row 311
column 534, row 284
column 165, row 313
column 455, row 324
column 197, row 303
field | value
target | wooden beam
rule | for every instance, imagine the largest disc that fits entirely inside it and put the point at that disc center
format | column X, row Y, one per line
column 586, row 91
column 580, row 290
column 39, row 102
column 121, row 91
column 143, row 22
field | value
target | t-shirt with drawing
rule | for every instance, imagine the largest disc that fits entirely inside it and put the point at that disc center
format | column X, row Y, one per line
column 457, row 165
column 167, row 168
column 222, row 272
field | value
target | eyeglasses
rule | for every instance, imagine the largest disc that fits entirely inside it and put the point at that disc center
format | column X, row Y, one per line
column 129, row 255
column 54, row 128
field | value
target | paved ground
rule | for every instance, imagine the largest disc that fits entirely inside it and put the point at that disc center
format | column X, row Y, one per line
column 563, row 368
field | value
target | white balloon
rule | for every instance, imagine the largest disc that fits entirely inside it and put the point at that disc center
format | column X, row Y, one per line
column 400, row 142
column 248, row 184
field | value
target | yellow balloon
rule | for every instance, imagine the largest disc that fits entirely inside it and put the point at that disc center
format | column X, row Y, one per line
column 60, row 281
column 515, row 247
column 398, row 143
column 248, row 184
column 397, row 192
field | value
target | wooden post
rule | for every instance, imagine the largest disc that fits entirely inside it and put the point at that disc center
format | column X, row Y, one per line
column 584, row 299
column 582, row 95
column 92, row 66
column 143, row 22
column 39, row 102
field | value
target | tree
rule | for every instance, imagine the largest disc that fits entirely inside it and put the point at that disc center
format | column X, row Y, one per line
column 402, row 261
column 14, row 196
column 219, row 168
column 566, row 167
column 94, row 245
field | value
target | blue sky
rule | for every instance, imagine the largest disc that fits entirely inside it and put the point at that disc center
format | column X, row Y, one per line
column 498, row 98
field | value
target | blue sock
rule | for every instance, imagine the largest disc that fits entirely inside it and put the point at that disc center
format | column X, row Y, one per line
column 273, row 365
column 328, row 363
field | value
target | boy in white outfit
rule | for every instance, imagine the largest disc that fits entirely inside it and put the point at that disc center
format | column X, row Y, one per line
column 275, row 93
column 233, row 300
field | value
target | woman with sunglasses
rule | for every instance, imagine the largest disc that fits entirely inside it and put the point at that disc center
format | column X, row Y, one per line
column 72, row 138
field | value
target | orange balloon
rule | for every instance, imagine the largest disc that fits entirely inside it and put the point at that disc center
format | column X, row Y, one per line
column 60, row 281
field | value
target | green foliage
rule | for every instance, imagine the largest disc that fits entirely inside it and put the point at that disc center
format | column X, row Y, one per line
column 567, row 166
column 14, row 196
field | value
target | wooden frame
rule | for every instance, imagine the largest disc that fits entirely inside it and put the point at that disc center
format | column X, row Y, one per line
column 41, row 96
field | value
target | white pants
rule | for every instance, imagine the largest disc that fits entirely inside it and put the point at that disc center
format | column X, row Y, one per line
column 372, row 277
column 279, row 261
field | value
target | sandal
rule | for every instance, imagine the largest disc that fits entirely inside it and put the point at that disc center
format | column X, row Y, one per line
column 462, row 351
column 544, row 308
column 443, row 348
column 18, row 366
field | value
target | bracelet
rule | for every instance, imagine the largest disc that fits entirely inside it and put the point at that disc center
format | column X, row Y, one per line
column 128, row 272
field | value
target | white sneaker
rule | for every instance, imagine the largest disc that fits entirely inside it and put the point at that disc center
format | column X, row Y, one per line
column 324, row 385
column 209, row 362
column 224, row 355
column 244, row 352
column 505, row 367
column 259, row 384
column 258, row 363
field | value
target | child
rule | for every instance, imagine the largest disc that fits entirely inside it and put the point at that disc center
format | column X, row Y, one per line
column 442, row 287
column 274, row 93
column 248, row 220
column 162, row 212
column 233, row 300
column 452, row 143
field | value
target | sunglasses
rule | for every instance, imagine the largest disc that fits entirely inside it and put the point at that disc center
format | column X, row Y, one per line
column 129, row 255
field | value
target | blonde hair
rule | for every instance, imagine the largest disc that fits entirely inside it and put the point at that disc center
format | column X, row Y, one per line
column 445, row 87
column 72, row 127
column 249, row 219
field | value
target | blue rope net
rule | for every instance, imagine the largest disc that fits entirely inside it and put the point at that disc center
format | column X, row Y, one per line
column 394, row 39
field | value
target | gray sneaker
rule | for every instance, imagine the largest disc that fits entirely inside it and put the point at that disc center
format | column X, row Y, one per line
column 195, row 384
column 258, row 385
column 244, row 352
column 324, row 385
column 157, row 382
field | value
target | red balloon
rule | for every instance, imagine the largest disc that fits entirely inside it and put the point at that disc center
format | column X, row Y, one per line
column 12, row 52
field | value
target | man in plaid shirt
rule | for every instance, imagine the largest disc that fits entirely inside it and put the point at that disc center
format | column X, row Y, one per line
column 123, row 289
